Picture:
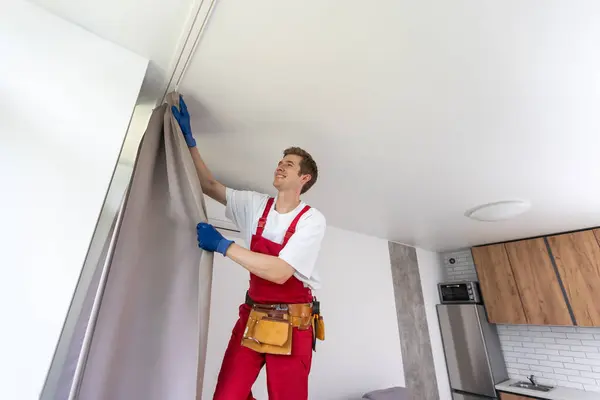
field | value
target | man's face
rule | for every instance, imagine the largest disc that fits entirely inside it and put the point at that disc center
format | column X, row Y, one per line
column 287, row 175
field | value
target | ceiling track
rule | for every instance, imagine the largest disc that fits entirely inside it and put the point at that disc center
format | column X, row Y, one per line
column 195, row 26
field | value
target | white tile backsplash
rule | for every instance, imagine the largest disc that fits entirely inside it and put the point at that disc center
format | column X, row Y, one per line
column 459, row 266
column 560, row 356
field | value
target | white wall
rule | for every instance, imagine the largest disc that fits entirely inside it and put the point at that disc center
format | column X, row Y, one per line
column 61, row 373
column 362, row 347
column 151, row 28
column 432, row 271
column 67, row 97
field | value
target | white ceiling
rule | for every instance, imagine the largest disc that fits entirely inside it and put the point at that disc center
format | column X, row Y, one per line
column 414, row 110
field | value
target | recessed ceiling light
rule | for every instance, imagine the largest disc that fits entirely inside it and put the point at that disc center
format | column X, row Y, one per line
column 498, row 211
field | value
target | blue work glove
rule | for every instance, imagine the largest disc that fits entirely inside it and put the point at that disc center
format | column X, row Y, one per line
column 183, row 118
column 210, row 239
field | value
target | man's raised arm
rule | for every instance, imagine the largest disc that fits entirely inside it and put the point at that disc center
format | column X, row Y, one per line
column 210, row 186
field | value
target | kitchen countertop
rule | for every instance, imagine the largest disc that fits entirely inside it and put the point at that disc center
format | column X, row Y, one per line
column 560, row 393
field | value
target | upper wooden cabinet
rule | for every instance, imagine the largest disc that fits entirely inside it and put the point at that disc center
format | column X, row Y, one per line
column 541, row 294
column 577, row 257
column 498, row 285
column 542, row 281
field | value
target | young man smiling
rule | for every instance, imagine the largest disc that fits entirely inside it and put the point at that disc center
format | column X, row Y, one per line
column 285, row 236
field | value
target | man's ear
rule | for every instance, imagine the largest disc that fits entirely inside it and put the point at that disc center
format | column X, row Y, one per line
column 305, row 178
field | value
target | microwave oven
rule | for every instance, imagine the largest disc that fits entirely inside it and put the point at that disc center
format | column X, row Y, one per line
column 459, row 292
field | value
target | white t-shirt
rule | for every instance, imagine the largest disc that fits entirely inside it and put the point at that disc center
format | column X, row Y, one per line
column 245, row 208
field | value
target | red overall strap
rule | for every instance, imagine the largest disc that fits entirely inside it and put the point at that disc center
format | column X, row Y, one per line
column 262, row 221
column 292, row 227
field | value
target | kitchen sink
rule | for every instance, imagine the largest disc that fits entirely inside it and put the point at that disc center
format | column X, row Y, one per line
column 530, row 386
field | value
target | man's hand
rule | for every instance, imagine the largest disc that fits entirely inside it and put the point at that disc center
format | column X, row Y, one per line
column 183, row 118
column 210, row 239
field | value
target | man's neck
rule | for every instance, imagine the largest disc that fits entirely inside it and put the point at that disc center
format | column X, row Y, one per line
column 287, row 201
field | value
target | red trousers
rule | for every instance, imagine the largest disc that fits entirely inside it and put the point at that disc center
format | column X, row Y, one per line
column 287, row 376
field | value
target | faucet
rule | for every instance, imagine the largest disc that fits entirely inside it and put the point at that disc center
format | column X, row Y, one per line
column 532, row 380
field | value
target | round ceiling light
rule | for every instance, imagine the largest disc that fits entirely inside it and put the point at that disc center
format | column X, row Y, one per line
column 498, row 211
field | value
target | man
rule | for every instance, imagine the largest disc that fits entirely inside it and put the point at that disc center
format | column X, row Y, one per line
column 285, row 236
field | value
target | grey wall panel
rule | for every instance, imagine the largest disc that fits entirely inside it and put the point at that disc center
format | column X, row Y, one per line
column 417, row 357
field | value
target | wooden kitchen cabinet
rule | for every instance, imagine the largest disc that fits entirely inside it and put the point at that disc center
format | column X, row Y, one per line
column 577, row 257
column 552, row 280
column 498, row 286
column 541, row 294
column 511, row 396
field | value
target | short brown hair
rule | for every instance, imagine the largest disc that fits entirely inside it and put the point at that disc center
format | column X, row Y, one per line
column 308, row 166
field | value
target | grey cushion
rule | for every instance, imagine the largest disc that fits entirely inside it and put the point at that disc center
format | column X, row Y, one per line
column 395, row 393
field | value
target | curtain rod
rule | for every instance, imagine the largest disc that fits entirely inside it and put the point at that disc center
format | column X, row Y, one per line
column 192, row 39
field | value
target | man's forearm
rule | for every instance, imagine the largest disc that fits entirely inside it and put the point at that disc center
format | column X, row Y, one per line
column 210, row 186
column 271, row 268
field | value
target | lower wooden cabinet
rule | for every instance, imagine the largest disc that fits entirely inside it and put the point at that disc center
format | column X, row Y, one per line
column 511, row 396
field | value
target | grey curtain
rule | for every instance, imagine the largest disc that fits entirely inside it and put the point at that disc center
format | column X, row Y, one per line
column 152, row 328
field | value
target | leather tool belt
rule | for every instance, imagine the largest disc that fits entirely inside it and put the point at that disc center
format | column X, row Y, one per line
column 269, row 327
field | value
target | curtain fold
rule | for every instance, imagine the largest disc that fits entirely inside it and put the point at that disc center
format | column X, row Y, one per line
column 152, row 328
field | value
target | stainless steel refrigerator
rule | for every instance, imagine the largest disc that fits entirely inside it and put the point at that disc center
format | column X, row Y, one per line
column 473, row 354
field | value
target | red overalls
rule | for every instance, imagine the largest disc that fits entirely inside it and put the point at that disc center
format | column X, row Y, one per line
column 287, row 376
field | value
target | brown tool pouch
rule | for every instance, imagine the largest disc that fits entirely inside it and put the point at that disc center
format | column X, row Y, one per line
column 269, row 327
column 268, row 331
